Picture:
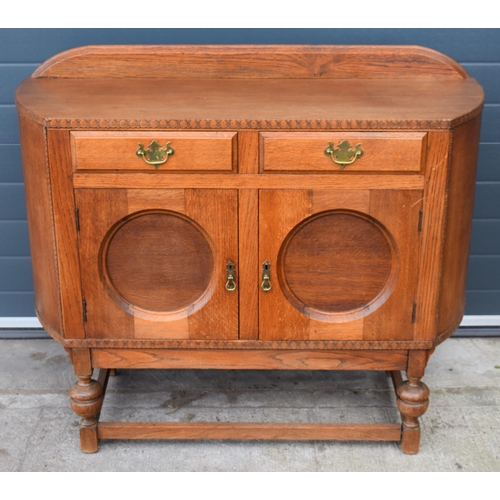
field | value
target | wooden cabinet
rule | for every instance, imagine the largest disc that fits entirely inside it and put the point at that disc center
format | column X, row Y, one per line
column 250, row 207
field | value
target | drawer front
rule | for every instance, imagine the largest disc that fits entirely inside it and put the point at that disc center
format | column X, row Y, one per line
column 192, row 151
column 305, row 152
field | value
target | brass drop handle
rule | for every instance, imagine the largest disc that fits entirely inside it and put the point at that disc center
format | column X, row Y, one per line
column 154, row 155
column 266, row 276
column 345, row 154
column 230, row 277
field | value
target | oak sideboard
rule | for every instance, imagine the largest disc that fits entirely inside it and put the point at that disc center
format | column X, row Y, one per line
column 250, row 207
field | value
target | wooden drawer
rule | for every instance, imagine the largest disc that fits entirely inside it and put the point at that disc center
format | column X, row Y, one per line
column 305, row 151
column 193, row 151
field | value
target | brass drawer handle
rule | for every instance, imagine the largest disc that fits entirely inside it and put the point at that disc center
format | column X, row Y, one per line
column 230, row 277
column 155, row 155
column 344, row 155
column 266, row 276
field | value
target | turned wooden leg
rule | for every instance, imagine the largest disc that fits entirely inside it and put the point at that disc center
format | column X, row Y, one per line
column 86, row 397
column 413, row 401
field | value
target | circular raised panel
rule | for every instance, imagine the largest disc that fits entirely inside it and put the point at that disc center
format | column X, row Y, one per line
column 338, row 265
column 158, row 262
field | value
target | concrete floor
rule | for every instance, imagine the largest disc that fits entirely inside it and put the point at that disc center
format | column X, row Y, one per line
column 460, row 431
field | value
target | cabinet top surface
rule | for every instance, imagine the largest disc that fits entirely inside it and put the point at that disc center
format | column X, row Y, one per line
column 250, row 87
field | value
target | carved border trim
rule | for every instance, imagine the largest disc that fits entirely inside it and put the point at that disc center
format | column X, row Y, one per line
column 246, row 344
column 209, row 124
column 237, row 344
column 244, row 124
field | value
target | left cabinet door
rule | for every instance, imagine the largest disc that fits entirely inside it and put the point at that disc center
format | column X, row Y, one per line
column 154, row 263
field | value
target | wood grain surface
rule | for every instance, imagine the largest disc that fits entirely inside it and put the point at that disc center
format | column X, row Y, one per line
column 305, row 151
column 279, row 212
column 399, row 212
column 36, row 171
column 386, row 314
column 249, row 431
column 433, row 213
column 152, row 180
column 250, row 61
column 249, row 278
column 66, row 232
column 130, row 283
column 193, row 151
column 462, row 174
column 410, row 104
column 335, row 262
column 272, row 359
column 216, row 210
column 159, row 261
column 98, row 212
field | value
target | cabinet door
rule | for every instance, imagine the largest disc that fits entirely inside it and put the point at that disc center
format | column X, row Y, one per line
column 343, row 264
column 154, row 262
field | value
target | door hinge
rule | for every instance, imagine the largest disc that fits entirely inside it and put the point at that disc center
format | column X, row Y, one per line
column 77, row 219
column 414, row 312
column 84, row 309
column 420, row 217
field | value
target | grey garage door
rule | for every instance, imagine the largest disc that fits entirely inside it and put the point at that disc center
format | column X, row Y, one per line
column 22, row 50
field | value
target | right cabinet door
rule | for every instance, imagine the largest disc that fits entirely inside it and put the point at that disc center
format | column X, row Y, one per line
column 338, row 264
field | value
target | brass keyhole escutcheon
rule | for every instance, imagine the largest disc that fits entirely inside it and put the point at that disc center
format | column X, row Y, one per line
column 155, row 155
column 266, row 276
column 230, row 277
column 344, row 154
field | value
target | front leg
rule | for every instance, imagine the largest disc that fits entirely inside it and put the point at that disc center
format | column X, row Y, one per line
column 86, row 398
column 413, row 401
